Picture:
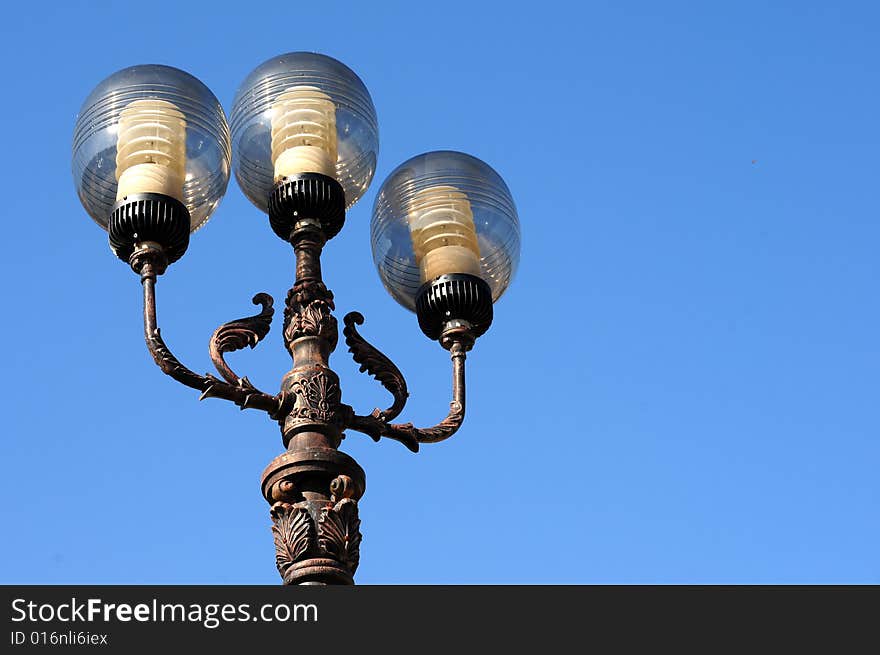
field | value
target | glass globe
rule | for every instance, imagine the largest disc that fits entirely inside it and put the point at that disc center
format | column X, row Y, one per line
column 151, row 129
column 442, row 213
column 303, row 113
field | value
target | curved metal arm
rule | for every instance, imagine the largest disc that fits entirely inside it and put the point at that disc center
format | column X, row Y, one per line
column 237, row 334
column 374, row 363
column 245, row 396
column 411, row 436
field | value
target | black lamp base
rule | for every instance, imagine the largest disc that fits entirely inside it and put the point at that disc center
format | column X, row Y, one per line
column 454, row 297
column 141, row 217
column 307, row 196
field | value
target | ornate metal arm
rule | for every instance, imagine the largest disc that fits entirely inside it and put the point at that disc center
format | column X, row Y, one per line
column 411, row 436
column 237, row 334
column 229, row 337
column 376, row 364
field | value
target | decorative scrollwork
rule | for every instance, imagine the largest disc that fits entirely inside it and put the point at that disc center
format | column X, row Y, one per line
column 375, row 363
column 343, row 486
column 244, row 395
column 239, row 333
column 411, row 436
column 284, row 491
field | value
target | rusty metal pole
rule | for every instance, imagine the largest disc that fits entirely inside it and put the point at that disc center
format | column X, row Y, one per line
column 312, row 487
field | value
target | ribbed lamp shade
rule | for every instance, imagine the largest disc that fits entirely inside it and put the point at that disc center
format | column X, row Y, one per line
column 298, row 113
column 151, row 129
column 444, row 213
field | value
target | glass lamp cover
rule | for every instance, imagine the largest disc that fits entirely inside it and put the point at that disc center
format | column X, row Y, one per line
column 151, row 128
column 440, row 213
column 303, row 112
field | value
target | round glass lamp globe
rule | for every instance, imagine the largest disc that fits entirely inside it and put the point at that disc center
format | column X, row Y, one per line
column 303, row 112
column 443, row 213
column 151, row 129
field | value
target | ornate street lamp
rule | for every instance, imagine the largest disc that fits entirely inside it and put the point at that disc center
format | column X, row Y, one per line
column 151, row 161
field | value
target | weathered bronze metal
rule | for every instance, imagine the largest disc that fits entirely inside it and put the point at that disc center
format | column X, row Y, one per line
column 313, row 488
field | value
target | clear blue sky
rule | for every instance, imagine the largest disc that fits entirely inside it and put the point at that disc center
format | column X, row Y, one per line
column 681, row 384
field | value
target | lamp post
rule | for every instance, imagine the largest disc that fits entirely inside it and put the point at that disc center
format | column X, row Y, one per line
column 151, row 160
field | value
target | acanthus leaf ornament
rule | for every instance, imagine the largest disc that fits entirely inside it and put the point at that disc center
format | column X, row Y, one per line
column 339, row 535
column 303, row 533
column 293, row 532
column 308, row 312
